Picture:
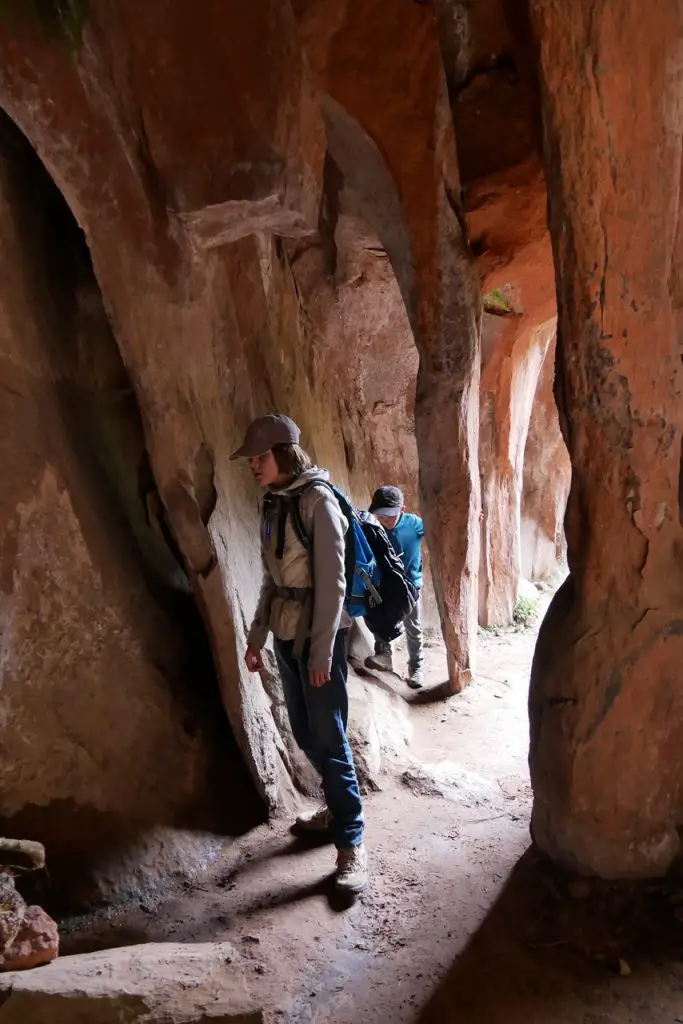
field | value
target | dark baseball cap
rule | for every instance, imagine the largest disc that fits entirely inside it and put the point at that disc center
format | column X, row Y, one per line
column 264, row 433
column 387, row 500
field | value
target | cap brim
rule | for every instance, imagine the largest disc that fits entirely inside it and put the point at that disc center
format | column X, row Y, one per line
column 385, row 511
column 247, row 452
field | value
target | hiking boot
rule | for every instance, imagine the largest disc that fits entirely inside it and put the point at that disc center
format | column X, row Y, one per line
column 380, row 662
column 416, row 678
column 352, row 870
column 315, row 821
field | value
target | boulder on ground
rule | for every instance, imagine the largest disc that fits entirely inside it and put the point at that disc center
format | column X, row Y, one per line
column 150, row 984
column 36, row 942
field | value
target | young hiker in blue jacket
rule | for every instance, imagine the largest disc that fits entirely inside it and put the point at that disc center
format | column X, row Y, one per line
column 405, row 531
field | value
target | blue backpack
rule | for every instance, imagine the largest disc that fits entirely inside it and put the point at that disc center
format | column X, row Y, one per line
column 363, row 577
column 377, row 587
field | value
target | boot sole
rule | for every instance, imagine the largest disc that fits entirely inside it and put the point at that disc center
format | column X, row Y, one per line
column 346, row 890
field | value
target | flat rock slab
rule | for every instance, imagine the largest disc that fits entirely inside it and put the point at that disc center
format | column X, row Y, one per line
column 453, row 782
column 379, row 729
column 156, row 983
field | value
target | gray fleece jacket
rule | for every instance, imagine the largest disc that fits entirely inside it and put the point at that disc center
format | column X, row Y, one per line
column 326, row 525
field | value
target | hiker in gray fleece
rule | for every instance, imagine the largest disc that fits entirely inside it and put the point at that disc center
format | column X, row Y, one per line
column 302, row 598
column 326, row 525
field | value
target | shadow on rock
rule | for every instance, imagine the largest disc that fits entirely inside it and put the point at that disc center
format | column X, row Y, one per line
column 430, row 694
column 555, row 949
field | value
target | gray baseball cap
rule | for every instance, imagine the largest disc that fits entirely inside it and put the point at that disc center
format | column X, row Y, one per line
column 387, row 501
column 264, row 433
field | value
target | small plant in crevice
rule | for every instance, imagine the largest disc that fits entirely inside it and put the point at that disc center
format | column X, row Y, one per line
column 525, row 612
column 503, row 301
column 495, row 302
column 58, row 19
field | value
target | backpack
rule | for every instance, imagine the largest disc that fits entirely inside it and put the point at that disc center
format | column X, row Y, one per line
column 377, row 588
column 398, row 594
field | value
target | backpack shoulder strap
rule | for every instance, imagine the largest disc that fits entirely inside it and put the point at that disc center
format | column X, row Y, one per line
column 348, row 511
column 298, row 522
column 295, row 506
column 275, row 509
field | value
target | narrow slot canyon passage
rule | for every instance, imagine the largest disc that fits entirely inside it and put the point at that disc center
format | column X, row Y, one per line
column 448, row 826
column 443, row 237
column 464, row 921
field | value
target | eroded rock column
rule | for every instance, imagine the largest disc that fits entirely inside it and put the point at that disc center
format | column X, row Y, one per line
column 606, row 697
column 407, row 119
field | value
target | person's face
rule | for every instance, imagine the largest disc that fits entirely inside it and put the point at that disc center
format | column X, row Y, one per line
column 264, row 469
column 389, row 522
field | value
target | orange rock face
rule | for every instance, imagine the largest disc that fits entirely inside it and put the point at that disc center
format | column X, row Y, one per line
column 506, row 214
column 194, row 223
column 92, row 660
column 262, row 209
column 490, row 65
column 606, row 699
column 547, row 476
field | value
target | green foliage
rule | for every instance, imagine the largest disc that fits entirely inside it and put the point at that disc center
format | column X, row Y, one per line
column 58, row 19
column 496, row 303
column 525, row 611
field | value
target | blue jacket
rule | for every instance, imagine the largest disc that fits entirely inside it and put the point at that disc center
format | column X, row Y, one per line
column 406, row 538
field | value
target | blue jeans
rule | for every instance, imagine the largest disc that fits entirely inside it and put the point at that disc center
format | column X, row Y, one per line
column 318, row 716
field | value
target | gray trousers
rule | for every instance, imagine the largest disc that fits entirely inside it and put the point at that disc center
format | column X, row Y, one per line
column 412, row 624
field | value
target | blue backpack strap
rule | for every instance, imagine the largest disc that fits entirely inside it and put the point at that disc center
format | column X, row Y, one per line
column 349, row 514
column 362, row 577
column 347, row 511
column 295, row 509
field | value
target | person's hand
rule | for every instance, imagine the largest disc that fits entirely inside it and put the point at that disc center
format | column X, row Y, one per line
column 253, row 659
column 318, row 678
